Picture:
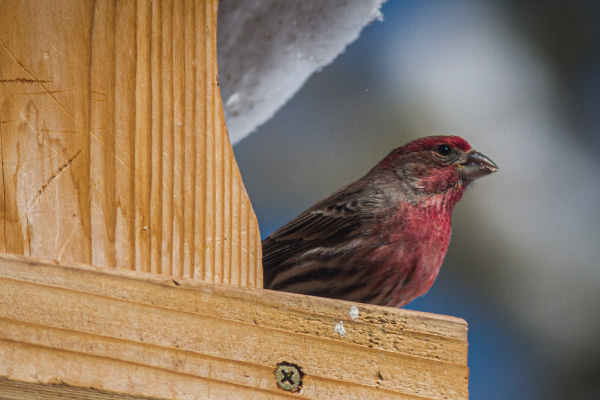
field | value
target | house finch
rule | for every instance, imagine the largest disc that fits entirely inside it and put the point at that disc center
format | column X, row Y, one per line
column 383, row 238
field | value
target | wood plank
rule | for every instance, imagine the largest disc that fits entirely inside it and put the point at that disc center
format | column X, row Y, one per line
column 15, row 390
column 146, row 335
column 114, row 149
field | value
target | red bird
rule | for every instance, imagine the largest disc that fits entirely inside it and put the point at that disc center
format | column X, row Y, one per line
column 383, row 238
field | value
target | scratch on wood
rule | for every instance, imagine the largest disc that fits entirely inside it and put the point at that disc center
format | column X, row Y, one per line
column 24, row 80
column 66, row 242
column 39, row 82
column 26, row 93
column 52, row 178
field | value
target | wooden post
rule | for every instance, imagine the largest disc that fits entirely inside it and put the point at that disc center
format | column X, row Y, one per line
column 114, row 153
column 113, row 143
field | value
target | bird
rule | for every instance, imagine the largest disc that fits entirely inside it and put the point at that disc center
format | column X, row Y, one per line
column 383, row 238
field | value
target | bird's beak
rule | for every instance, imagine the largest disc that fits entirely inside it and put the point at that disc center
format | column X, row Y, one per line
column 476, row 165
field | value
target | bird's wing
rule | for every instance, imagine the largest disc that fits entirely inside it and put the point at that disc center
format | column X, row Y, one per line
column 337, row 219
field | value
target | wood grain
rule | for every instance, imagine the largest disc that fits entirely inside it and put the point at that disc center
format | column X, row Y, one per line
column 113, row 144
column 16, row 390
column 146, row 335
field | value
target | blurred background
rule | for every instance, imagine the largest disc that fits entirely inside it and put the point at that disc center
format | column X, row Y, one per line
column 521, row 82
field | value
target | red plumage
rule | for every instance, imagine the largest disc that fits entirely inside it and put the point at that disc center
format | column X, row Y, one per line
column 381, row 239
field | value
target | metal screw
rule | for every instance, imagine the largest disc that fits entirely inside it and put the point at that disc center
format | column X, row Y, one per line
column 288, row 376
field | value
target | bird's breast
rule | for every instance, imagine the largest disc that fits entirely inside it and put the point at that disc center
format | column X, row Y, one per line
column 413, row 247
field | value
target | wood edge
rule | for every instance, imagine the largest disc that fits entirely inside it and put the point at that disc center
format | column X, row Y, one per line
column 29, row 390
column 394, row 319
column 189, row 283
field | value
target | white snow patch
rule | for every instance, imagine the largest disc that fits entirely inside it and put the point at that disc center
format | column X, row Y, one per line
column 267, row 49
column 353, row 312
column 339, row 328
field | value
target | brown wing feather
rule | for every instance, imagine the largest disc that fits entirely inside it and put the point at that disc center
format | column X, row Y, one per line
column 329, row 222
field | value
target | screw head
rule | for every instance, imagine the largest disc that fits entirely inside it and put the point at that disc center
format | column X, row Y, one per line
column 288, row 376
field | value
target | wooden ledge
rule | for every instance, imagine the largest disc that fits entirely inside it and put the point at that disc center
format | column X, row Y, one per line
column 145, row 335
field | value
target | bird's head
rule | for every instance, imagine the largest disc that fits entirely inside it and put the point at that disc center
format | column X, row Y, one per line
column 436, row 165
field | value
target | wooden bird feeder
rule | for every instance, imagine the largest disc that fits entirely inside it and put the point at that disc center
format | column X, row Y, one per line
column 114, row 153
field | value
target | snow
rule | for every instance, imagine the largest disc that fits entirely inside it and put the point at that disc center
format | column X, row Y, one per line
column 267, row 49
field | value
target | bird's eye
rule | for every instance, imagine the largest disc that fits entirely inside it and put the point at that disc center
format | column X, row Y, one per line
column 444, row 150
